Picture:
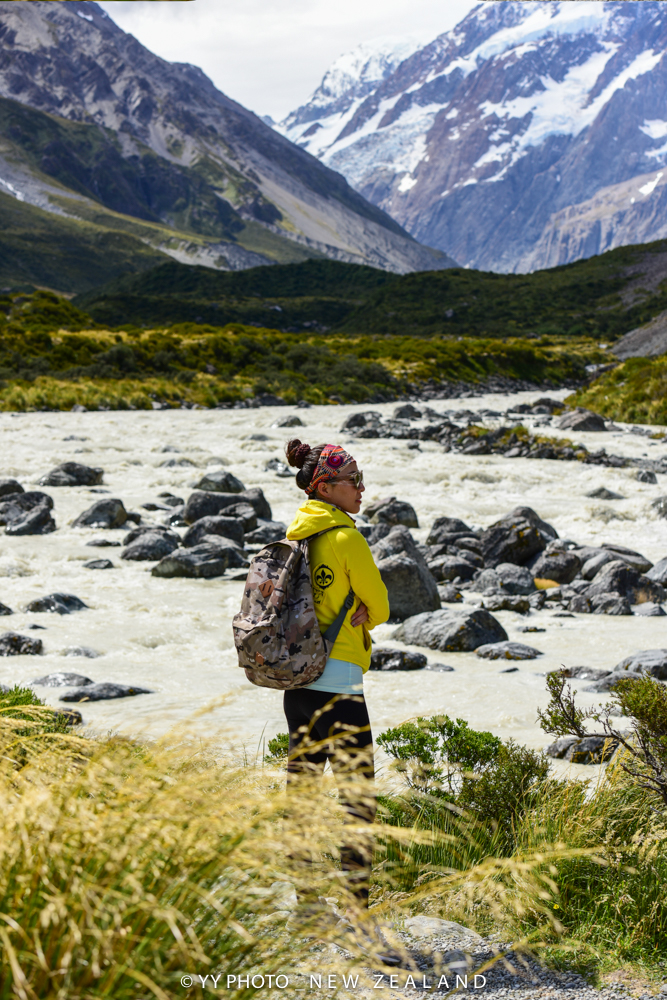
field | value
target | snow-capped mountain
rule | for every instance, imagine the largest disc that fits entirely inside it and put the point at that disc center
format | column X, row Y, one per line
column 531, row 135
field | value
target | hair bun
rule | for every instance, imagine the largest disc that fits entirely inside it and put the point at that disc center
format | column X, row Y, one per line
column 297, row 453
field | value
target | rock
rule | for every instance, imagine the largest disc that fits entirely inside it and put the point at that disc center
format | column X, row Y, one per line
column 620, row 579
column 177, row 463
column 589, row 750
column 592, row 566
column 659, row 572
column 397, row 659
column 15, row 506
column 61, row 678
column 583, row 673
column 646, row 476
column 373, row 533
column 580, row 605
column 396, row 512
column 9, row 486
column 98, row 564
column 86, row 651
column 59, row 604
column 602, row 493
column 220, row 481
column 410, row 586
column 4, row 610
column 169, row 500
column 649, row 610
column 150, row 545
column 206, row 560
column 537, row 600
column 280, row 469
column 659, row 505
column 265, row 533
column 71, row 717
column 358, row 420
column 610, row 604
column 226, row 527
column 507, row 602
column 38, row 521
column 406, row 411
column 581, row 419
column 103, row 543
column 649, row 661
column 446, row 526
column 513, row 539
column 512, row 579
column 103, row 514
column 72, row 474
column 451, row 629
column 547, row 530
column 203, row 504
column 449, row 594
column 149, row 529
column 102, row 692
column 423, row 926
column 371, row 509
column 13, row 644
column 507, row 651
column 447, row 568
column 290, row 421
column 557, row 566
column 632, row 558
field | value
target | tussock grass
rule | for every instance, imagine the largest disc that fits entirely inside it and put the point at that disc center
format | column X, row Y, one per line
column 635, row 391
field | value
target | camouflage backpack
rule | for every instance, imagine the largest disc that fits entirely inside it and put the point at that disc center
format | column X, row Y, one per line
column 276, row 632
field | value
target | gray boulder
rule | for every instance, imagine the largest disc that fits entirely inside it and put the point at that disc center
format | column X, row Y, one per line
column 447, row 568
column 447, row 527
column 659, row 572
column 61, row 678
column 659, row 505
column 72, row 474
column 290, row 421
column 450, row 594
column 507, row 602
column 516, row 538
column 559, row 566
column 204, row 561
column 620, row 579
column 150, row 545
column 410, row 586
column 646, row 476
column 102, row 692
column 649, row 610
column 203, row 504
column 56, row 604
column 629, row 556
column 13, row 644
column 358, row 420
column 595, row 563
column 451, row 630
column 581, row 419
column 38, row 521
column 396, row 512
column 406, row 411
column 103, row 514
column 602, row 493
column 9, row 486
column 397, row 659
column 507, row 651
column 244, row 513
column 281, row 470
column 649, row 661
column 513, row 579
column 580, row 605
column 220, row 481
column 586, row 750
column 609, row 604
column 85, row 651
column 226, row 527
column 14, row 506
column 98, row 564
column 4, row 610
column 265, row 533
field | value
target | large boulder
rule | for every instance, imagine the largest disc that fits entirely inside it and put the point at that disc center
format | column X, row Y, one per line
column 397, row 659
column 206, row 504
column 410, row 585
column 150, row 546
column 226, row 527
column 608, row 604
column 649, row 661
column 592, row 566
column 220, row 481
column 516, row 538
column 507, row 651
column 56, row 604
column 581, row 419
column 102, row 692
column 14, row 506
column 38, row 521
column 396, row 512
column 62, row 678
column 513, row 579
column 13, row 644
column 72, row 474
column 358, row 420
column 558, row 566
column 109, row 513
column 584, row 750
column 5, row 610
column 265, row 533
column 451, row 630
column 659, row 505
column 9, row 486
column 447, row 568
column 446, row 528
column 620, row 579
column 632, row 558
column 208, row 559
column 659, row 572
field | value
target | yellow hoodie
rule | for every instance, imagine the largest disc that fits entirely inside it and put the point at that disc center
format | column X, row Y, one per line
column 341, row 560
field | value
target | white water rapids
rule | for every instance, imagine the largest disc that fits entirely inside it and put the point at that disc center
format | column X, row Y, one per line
column 174, row 636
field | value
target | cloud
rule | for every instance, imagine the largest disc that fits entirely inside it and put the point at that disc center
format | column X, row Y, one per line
column 271, row 54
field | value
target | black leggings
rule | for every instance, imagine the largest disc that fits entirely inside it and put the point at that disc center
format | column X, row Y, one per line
column 339, row 726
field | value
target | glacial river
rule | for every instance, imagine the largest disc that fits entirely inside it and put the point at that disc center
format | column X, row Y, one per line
column 174, row 636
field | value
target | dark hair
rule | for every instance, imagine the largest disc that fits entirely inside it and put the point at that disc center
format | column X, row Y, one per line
column 304, row 458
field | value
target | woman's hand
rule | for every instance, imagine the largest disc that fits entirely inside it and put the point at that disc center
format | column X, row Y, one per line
column 360, row 615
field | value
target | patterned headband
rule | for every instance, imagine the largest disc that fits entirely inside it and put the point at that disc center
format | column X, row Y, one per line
column 332, row 460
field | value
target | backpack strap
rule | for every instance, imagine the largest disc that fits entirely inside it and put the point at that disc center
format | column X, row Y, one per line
column 331, row 633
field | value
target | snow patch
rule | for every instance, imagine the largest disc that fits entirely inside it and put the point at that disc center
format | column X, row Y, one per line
column 12, row 190
column 86, row 17
column 654, row 128
column 407, row 183
column 650, row 187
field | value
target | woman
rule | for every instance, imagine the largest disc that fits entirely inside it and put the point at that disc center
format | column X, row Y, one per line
column 331, row 712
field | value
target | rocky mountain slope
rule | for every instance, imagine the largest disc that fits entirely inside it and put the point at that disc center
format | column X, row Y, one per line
column 97, row 128
column 531, row 135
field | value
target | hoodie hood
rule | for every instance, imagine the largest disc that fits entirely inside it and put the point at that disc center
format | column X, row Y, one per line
column 314, row 516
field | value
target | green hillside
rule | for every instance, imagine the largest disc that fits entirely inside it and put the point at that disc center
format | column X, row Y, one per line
column 600, row 298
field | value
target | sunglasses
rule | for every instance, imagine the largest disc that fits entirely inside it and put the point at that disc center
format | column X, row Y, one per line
column 356, row 478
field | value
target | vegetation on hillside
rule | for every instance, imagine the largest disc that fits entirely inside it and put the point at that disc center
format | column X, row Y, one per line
column 601, row 298
column 52, row 355
column 635, row 390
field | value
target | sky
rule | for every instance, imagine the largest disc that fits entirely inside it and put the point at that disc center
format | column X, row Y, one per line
column 270, row 55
